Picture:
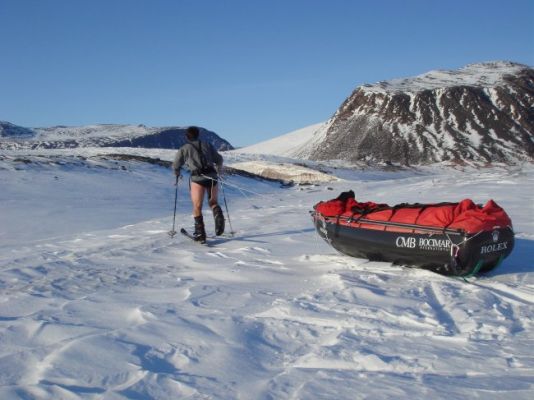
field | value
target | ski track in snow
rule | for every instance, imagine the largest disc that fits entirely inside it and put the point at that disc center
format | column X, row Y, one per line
column 274, row 313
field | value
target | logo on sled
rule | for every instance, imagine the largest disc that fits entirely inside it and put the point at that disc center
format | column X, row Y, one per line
column 495, row 247
column 430, row 244
column 409, row 242
column 492, row 248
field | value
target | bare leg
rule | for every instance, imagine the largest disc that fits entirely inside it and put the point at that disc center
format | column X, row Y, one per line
column 197, row 197
column 214, row 193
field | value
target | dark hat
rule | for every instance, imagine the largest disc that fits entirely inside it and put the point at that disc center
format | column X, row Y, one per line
column 192, row 133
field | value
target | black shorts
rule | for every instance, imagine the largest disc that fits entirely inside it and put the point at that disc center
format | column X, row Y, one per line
column 205, row 182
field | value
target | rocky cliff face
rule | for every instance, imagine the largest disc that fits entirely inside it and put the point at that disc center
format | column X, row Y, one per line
column 482, row 112
column 60, row 137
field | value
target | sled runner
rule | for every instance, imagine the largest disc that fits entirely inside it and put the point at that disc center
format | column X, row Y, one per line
column 459, row 239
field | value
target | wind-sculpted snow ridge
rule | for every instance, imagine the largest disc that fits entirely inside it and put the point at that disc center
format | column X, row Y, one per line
column 103, row 135
column 97, row 301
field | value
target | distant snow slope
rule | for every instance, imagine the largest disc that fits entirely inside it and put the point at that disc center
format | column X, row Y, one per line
column 98, row 302
column 287, row 145
column 13, row 137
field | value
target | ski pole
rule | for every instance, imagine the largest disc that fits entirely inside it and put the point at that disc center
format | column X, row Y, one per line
column 173, row 232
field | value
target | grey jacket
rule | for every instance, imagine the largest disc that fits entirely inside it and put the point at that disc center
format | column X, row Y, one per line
column 189, row 156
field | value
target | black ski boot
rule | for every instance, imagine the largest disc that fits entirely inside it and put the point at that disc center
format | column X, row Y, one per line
column 218, row 216
column 200, row 233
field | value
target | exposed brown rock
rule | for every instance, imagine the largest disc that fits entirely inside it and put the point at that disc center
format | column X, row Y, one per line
column 483, row 119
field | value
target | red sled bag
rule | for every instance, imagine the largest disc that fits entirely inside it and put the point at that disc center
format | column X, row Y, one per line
column 451, row 238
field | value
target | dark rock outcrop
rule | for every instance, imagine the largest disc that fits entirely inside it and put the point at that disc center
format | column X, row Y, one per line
column 481, row 113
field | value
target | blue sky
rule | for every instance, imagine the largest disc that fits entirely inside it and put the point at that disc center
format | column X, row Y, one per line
column 248, row 70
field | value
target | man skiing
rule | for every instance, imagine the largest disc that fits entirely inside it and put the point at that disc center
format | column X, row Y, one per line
column 203, row 161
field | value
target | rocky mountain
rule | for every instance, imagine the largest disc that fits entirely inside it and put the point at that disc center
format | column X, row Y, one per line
column 9, row 130
column 58, row 137
column 481, row 112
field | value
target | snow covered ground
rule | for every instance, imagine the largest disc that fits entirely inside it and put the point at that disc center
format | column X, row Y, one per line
column 98, row 302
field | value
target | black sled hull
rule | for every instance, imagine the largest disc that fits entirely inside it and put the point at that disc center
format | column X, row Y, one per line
column 446, row 252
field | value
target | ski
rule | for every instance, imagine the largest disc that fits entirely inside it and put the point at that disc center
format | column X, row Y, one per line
column 184, row 232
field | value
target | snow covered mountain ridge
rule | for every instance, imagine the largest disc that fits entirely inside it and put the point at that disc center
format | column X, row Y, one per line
column 481, row 113
column 484, row 75
column 105, row 135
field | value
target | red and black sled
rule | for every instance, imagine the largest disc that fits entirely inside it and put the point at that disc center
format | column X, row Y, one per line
column 459, row 239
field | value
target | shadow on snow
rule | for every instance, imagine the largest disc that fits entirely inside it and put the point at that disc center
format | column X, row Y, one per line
column 521, row 260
